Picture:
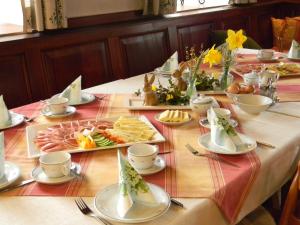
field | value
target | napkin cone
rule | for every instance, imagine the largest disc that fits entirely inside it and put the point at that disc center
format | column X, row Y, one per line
column 5, row 118
column 1, row 154
column 222, row 133
column 294, row 51
column 73, row 92
column 132, row 188
column 171, row 64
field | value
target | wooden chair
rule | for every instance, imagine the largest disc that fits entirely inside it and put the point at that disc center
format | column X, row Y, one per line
column 261, row 216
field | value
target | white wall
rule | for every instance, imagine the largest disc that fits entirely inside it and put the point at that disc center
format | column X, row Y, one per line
column 78, row 8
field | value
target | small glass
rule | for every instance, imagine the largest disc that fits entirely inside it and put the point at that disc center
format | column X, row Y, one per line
column 267, row 84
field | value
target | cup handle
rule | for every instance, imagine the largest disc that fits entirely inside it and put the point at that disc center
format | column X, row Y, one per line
column 235, row 98
column 66, row 169
column 46, row 109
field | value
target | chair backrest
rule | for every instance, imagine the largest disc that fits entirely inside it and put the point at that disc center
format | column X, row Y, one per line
column 288, row 214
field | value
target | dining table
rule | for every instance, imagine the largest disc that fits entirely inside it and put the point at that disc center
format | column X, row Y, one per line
column 211, row 192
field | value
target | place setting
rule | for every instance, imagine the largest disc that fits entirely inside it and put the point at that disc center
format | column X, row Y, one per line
column 132, row 200
column 75, row 95
column 8, row 118
column 145, row 159
column 223, row 138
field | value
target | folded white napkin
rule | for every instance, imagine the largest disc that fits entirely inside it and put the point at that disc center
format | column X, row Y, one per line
column 171, row 64
column 222, row 133
column 5, row 118
column 132, row 188
column 294, row 51
column 73, row 92
column 1, row 154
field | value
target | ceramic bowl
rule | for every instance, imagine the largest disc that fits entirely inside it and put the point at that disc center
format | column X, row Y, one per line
column 252, row 104
column 201, row 104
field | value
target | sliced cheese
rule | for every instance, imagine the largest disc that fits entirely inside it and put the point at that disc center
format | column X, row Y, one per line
column 173, row 116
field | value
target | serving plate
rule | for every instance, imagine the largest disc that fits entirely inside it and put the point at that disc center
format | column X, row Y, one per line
column 284, row 69
column 137, row 103
column 106, row 204
column 33, row 151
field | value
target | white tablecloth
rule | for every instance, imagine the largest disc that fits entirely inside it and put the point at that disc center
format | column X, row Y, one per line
column 277, row 166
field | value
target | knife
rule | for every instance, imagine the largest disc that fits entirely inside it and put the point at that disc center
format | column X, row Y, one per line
column 175, row 202
column 24, row 182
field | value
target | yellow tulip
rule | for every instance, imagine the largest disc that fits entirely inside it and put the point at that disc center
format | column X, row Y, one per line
column 235, row 39
column 169, row 97
column 213, row 57
column 154, row 88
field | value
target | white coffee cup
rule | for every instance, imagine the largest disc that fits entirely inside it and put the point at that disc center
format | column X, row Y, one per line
column 142, row 156
column 225, row 113
column 56, row 164
column 57, row 105
column 266, row 53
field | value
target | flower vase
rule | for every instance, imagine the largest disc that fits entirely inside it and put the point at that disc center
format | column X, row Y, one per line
column 226, row 78
column 191, row 90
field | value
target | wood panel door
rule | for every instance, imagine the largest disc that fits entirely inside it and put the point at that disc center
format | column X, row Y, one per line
column 193, row 36
column 63, row 65
column 14, row 85
column 144, row 52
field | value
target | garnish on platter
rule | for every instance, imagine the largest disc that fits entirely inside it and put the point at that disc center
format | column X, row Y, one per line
column 75, row 136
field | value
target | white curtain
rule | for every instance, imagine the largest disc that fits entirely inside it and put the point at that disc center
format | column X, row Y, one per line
column 42, row 15
column 156, row 7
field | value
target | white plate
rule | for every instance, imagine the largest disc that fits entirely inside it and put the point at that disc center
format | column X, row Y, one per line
column 212, row 92
column 138, row 104
column 206, row 143
column 34, row 152
column 156, row 117
column 274, row 59
column 205, row 123
column 159, row 165
column 293, row 59
column 85, row 98
column 39, row 176
column 16, row 119
column 70, row 111
column 106, row 204
column 11, row 174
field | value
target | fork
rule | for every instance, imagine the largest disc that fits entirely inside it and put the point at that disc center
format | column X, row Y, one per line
column 83, row 207
column 196, row 153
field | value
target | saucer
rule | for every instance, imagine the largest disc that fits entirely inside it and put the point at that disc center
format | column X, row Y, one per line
column 205, row 142
column 293, row 59
column 39, row 176
column 16, row 119
column 205, row 123
column 70, row 111
column 85, row 98
column 273, row 59
column 11, row 174
column 159, row 165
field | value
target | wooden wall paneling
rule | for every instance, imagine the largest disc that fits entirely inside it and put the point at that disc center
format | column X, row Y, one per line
column 118, row 68
column 14, row 85
column 144, row 52
column 194, row 35
column 63, row 65
column 264, row 27
column 173, row 39
column 236, row 22
column 36, row 77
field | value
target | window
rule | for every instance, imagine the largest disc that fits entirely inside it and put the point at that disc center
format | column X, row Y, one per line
column 195, row 4
column 11, row 17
